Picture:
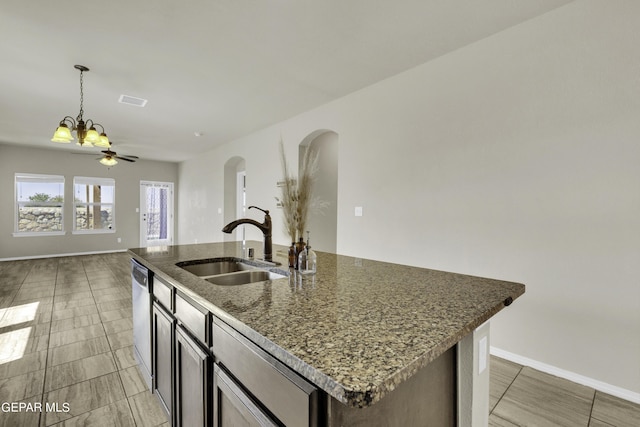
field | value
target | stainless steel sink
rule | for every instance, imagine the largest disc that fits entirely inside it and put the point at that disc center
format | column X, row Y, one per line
column 228, row 271
column 215, row 267
column 244, row 277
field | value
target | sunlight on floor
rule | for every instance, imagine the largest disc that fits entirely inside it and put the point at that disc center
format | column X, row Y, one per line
column 13, row 344
column 18, row 314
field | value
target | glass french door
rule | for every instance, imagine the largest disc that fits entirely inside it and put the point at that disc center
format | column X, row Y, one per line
column 156, row 213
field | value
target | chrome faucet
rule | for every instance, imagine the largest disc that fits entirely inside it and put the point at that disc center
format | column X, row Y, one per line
column 265, row 227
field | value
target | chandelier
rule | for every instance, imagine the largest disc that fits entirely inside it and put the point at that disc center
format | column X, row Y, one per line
column 86, row 132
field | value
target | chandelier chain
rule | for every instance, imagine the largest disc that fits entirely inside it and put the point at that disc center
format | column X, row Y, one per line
column 81, row 96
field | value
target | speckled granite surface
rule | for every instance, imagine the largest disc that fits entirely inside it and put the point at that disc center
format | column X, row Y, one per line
column 356, row 329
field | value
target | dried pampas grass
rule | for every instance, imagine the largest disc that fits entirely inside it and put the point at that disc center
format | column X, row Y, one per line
column 307, row 174
column 297, row 198
column 289, row 198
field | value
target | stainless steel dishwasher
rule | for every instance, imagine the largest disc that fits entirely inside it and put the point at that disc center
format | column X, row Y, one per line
column 142, row 282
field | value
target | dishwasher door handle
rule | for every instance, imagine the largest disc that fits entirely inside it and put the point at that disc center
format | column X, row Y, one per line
column 140, row 278
column 140, row 273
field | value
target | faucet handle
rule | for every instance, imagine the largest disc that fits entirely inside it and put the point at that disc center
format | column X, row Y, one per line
column 266, row 212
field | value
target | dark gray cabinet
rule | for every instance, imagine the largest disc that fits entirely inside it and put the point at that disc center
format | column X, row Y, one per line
column 288, row 398
column 192, row 381
column 233, row 407
column 163, row 337
column 245, row 387
column 192, row 317
column 182, row 363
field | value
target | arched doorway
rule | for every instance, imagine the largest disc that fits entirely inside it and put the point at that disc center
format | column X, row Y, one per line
column 323, row 225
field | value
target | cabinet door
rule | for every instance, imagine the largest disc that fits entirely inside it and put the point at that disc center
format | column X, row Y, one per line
column 232, row 406
column 163, row 331
column 192, row 381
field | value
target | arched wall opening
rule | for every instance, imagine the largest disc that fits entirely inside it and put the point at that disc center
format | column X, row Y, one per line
column 323, row 223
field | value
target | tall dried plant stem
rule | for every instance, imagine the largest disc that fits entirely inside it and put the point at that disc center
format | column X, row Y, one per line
column 305, row 188
column 289, row 197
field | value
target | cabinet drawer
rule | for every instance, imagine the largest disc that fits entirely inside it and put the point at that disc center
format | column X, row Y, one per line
column 193, row 318
column 289, row 397
column 163, row 293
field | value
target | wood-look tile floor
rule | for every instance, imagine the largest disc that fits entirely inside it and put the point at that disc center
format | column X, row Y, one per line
column 521, row 396
column 66, row 338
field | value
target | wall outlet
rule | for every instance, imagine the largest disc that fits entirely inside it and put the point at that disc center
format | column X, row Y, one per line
column 358, row 210
column 119, row 239
column 219, row 210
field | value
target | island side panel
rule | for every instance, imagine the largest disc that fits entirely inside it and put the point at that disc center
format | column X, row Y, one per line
column 473, row 378
column 426, row 399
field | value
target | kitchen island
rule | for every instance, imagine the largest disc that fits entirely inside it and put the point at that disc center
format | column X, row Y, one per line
column 365, row 333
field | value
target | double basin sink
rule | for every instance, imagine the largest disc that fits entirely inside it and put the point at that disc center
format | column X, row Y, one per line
column 229, row 271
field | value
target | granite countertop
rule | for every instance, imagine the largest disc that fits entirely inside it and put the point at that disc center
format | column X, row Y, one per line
column 357, row 328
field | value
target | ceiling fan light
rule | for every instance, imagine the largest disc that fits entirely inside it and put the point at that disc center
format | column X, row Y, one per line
column 62, row 134
column 103, row 141
column 108, row 161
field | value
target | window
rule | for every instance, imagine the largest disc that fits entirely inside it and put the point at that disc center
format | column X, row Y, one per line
column 39, row 204
column 93, row 205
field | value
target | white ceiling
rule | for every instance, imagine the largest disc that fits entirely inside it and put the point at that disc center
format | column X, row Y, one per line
column 224, row 68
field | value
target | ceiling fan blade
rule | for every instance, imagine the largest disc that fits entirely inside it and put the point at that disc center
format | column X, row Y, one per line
column 130, row 157
column 125, row 159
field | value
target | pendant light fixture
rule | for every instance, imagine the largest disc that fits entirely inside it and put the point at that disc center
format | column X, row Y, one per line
column 85, row 131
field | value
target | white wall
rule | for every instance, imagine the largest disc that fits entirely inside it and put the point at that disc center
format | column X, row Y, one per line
column 514, row 158
column 15, row 159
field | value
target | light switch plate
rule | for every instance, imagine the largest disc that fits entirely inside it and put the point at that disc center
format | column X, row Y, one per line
column 358, row 210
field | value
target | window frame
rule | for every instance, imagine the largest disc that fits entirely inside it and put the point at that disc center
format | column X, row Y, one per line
column 18, row 204
column 85, row 180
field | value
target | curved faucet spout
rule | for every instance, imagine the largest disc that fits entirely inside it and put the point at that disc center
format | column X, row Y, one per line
column 233, row 224
column 265, row 227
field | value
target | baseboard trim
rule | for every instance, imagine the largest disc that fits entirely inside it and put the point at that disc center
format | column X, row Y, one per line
column 620, row 392
column 61, row 255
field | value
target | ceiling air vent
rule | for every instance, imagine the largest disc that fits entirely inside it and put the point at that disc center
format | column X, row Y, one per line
column 132, row 100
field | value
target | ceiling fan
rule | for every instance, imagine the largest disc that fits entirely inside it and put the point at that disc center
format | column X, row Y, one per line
column 109, row 157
